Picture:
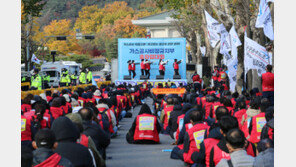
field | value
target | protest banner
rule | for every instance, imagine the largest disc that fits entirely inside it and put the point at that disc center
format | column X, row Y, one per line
column 168, row 91
column 213, row 29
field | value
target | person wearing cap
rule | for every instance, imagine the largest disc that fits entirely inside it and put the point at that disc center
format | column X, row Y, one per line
column 65, row 78
column 97, row 95
column 82, row 77
column 36, row 80
column 88, row 76
column 44, row 155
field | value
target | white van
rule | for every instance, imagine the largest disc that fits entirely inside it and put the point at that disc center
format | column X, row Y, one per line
column 54, row 70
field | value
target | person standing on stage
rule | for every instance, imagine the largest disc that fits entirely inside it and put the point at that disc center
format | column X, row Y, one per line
column 162, row 66
column 143, row 67
column 129, row 67
column 147, row 68
column 133, row 64
column 176, row 66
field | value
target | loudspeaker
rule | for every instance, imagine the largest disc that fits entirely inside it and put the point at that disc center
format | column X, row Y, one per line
column 127, row 77
column 205, row 61
column 190, row 67
column 143, row 77
column 159, row 77
column 177, row 77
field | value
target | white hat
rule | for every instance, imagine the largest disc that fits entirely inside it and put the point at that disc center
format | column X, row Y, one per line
column 67, row 97
column 97, row 93
column 43, row 96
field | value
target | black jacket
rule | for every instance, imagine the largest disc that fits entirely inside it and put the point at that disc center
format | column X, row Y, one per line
column 66, row 135
column 42, row 154
column 100, row 138
column 265, row 129
column 177, row 111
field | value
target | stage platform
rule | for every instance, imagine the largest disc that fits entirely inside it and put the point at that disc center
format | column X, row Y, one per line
column 154, row 83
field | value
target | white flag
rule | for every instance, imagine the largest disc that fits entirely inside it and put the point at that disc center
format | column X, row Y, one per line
column 225, row 40
column 213, row 29
column 203, row 50
column 264, row 19
column 255, row 56
column 232, row 68
column 234, row 37
column 35, row 59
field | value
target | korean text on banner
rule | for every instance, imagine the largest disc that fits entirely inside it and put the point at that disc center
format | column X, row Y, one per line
column 168, row 90
column 213, row 29
column 255, row 56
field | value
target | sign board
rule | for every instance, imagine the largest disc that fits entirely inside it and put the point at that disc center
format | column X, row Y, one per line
column 152, row 49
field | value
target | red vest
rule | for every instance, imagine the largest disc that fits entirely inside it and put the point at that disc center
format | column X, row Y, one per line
column 207, row 107
column 167, row 112
column 83, row 140
column 238, row 115
column 81, row 101
column 222, row 76
column 142, row 65
column 99, row 116
column 52, row 161
column 230, row 109
column 219, row 154
column 233, row 102
column 29, row 114
column 214, row 106
column 161, row 67
column 180, row 122
column 25, row 129
column 45, row 123
column 26, row 107
column 268, row 82
column 56, row 112
column 176, row 66
column 48, row 98
column 215, row 78
column 109, row 117
column 147, row 66
column 130, row 67
column 146, row 128
column 258, row 123
column 133, row 66
column 196, row 135
column 203, row 101
column 196, row 78
column 209, row 144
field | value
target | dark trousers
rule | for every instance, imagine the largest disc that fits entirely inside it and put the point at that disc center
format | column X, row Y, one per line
column 161, row 72
column 197, row 86
column 134, row 73
column 148, row 74
column 143, row 71
column 176, row 71
column 177, row 153
column 269, row 95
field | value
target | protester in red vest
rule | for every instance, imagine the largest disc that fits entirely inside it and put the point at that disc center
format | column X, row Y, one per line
column 145, row 128
column 143, row 67
column 55, row 109
column 26, row 132
column 194, row 136
column 165, row 115
column 162, row 66
column 196, row 81
column 131, row 67
column 268, row 84
column 215, row 75
column 176, row 66
column 147, row 68
column 222, row 77
column 44, row 155
column 220, row 151
column 26, row 104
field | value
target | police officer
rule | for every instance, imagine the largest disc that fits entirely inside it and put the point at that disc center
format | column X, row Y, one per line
column 46, row 80
column 74, row 78
column 36, row 80
column 82, row 77
column 88, row 76
column 65, row 78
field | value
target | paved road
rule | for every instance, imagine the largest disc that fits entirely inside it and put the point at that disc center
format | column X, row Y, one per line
column 123, row 154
